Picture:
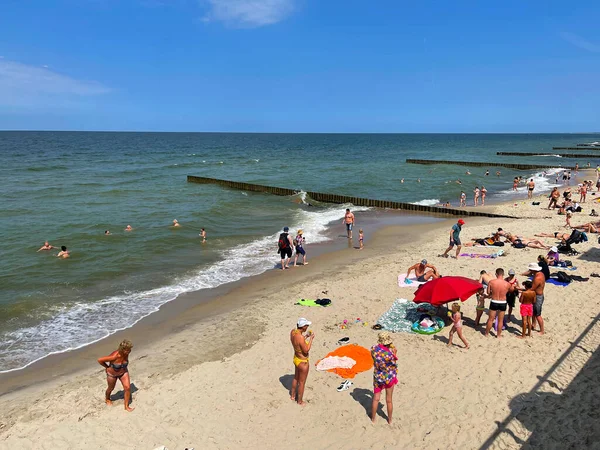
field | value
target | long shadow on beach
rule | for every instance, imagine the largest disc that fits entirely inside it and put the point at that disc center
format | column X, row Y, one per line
column 365, row 398
column 286, row 381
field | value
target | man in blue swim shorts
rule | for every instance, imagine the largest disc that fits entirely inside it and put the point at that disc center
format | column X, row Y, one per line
column 455, row 239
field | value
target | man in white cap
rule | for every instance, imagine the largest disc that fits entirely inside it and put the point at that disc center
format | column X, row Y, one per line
column 553, row 256
column 422, row 273
column 539, row 283
column 301, row 341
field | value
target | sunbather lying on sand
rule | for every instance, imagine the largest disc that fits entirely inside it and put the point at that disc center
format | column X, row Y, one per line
column 518, row 241
column 590, row 227
column 557, row 235
column 488, row 241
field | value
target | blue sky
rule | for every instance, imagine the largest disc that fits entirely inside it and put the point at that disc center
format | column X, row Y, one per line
column 300, row 65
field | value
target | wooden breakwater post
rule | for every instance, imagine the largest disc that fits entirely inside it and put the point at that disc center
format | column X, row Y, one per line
column 342, row 199
column 575, row 148
column 486, row 164
column 564, row 155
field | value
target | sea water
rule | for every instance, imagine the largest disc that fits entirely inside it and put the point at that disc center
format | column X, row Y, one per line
column 68, row 188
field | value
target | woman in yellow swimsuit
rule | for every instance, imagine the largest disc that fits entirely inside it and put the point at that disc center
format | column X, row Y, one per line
column 301, row 341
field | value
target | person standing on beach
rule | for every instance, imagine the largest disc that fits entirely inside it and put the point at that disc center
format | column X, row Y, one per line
column 46, row 246
column 511, row 295
column 497, row 290
column 302, row 340
column 538, row 285
column 582, row 193
column 476, row 196
column 530, row 188
column 515, row 183
column 554, row 196
column 115, row 366
column 285, row 245
column 483, row 194
column 299, row 243
column 463, row 198
column 455, row 239
column 527, row 300
column 349, row 221
column 385, row 372
column 361, row 239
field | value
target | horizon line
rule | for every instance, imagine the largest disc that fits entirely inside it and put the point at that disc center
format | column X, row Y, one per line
column 295, row 132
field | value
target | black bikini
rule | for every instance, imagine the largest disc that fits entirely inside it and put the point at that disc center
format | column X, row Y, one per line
column 118, row 367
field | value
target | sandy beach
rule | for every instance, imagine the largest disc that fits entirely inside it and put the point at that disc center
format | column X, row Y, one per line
column 218, row 377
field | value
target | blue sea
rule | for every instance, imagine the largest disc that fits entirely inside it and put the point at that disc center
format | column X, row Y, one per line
column 68, row 188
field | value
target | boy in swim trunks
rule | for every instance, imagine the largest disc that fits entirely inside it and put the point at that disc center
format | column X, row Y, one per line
column 527, row 300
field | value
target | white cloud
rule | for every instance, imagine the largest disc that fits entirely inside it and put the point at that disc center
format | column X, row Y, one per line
column 23, row 84
column 580, row 42
column 249, row 13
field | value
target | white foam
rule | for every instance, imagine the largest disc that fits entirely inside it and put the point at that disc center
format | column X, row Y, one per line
column 544, row 181
column 428, row 202
column 82, row 324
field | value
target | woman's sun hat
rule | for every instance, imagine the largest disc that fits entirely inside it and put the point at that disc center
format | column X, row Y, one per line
column 300, row 231
column 554, row 248
column 384, row 338
column 534, row 266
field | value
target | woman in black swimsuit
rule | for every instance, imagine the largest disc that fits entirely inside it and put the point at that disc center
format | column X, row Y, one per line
column 116, row 369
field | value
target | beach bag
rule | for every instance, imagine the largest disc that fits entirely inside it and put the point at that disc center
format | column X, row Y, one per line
column 323, row 301
column 284, row 243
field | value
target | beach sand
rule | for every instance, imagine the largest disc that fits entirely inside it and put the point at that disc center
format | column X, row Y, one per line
column 219, row 377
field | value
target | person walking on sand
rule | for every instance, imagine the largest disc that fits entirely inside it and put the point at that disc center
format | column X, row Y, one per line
column 302, row 340
column 463, row 198
column 349, row 221
column 285, row 245
column 385, row 372
column 361, row 239
column 46, row 246
column 582, row 193
column 527, row 300
column 457, row 326
column 483, row 194
column 299, row 243
column 454, row 239
column 497, row 290
column 530, row 188
column 476, row 196
column 115, row 366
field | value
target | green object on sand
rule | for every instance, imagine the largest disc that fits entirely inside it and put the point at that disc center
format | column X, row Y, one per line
column 307, row 302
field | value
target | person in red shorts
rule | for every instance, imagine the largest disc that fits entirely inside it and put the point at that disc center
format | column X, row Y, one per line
column 527, row 300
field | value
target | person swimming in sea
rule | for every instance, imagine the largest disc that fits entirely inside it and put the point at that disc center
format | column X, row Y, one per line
column 106, row 232
column 46, row 246
column 203, row 234
column 115, row 366
column 175, row 223
column 128, row 228
column 64, row 253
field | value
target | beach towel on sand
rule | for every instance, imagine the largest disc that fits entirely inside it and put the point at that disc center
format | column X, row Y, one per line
column 402, row 314
column 317, row 302
column 413, row 281
column 335, row 362
column 361, row 355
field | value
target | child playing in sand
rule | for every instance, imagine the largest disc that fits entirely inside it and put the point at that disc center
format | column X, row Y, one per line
column 527, row 300
column 456, row 325
column 361, row 238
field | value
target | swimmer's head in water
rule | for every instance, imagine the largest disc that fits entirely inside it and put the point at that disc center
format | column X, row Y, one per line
column 174, row 220
column 107, row 232
column 63, row 248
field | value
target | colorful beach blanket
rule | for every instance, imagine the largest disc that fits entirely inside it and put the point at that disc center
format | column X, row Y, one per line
column 402, row 314
column 361, row 355
column 411, row 282
column 483, row 255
